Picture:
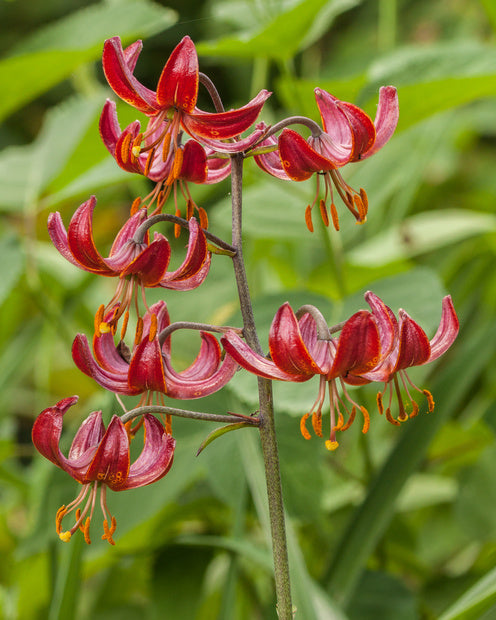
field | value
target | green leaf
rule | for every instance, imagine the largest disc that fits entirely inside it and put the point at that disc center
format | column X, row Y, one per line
column 55, row 52
column 383, row 597
column 11, row 254
column 481, row 597
column 284, row 36
column 421, row 233
column 218, row 432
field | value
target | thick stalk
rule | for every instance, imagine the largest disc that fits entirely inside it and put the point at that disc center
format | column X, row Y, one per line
column 266, row 416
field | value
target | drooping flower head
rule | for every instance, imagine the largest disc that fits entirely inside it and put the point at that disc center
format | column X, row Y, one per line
column 410, row 347
column 100, row 458
column 348, row 135
column 301, row 348
column 137, row 262
column 158, row 152
column 147, row 369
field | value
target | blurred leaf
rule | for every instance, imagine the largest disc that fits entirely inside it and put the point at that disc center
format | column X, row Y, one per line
column 383, row 597
column 423, row 490
column 11, row 254
column 480, row 598
column 289, row 32
column 68, row 580
column 424, row 232
column 490, row 9
column 52, row 54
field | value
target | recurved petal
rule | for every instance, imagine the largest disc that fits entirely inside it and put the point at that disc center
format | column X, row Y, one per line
column 255, row 363
column 287, row 348
column 195, row 257
column 110, row 464
column 206, row 363
column 219, row 126
column 146, row 370
column 446, row 332
column 194, row 166
column 178, row 83
column 88, row 436
column 151, row 263
column 358, row 346
column 47, row 429
column 112, row 381
column 299, row 160
column 386, row 322
column 80, row 240
column 156, row 457
column 118, row 67
column 58, row 235
column 386, row 118
column 414, row 347
column 109, row 127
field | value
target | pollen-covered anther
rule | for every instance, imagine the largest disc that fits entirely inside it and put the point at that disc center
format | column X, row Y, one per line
column 61, row 512
column 139, row 331
column 190, row 209
column 166, row 146
column 430, row 399
column 202, row 214
column 380, row 406
column 125, row 145
column 149, row 161
column 303, row 428
column 135, row 205
column 308, row 218
column 366, row 420
column 99, row 320
column 331, row 445
column 415, row 408
column 362, row 210
column 86, row 531
column 350, row 420
column 153, row 327
column 334, row 216
column 176, row 167
column 177, row 227
column 317, row 423
column 390, row 418
column 339, row 424
column 109, row 531
column 323, row 212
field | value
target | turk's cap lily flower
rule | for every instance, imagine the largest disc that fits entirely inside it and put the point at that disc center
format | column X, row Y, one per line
column 190, row 162
column 348, row 135
column 410, row 347
column 298, row 352
column 99, row 458
column 174, row 100
column 148, row 368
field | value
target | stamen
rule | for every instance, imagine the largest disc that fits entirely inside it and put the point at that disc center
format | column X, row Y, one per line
column 317, row 423
column 308, row 218
column 350, row 420
column 366, row 420
column 177, row 227
column 303, row 428
column 365, row 200
column 166, row 147
column 202, row 214
column 125, row 144
column 168, row 424
column 139, row 331
column 334, row 216
column 390, row 418
column 136, row 149
column 415, row 409
column 340, row 423
column 153, row 327
column 86, row 531
column 362, row 212
column 190, row 209
column 323, row 212
column 149, row 161
column 125, row 321
column 99, row 320
column 176, row 167
column 430, row 399
column 61, row 512
column 331, row 445
column 380, row 406
column 136, row 205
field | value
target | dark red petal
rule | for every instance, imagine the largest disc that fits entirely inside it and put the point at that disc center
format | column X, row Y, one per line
column 146, row 370
column 110, row 463
column 286, row 346
column 447, row 330
column 414, row 348
column 385, row 320
column 156, row 457
column 386, row 118
column 151, row 264
column 118, row 67
column 358, row 346
column 80, row 240
column 178, row 84
column 194, row 166
column 224, row 125
column 109, row 127
column 195, row 257
column 58, row 235
column 298, row 158
column 47, row 430
column 255, row 363
column 88, row 435
column 362, row 129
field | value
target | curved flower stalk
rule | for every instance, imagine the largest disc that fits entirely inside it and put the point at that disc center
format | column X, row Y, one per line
column 100, row 458
column 348, row 135
column 171, row 169
column 172, row 107
column 297, row 353
column 138, row 263
column 410, row 347
column 148, row 368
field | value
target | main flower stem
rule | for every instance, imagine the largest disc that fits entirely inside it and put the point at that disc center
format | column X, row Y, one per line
column 266, row 416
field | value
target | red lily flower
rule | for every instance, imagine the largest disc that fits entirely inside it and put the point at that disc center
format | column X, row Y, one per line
column 172, row 107
column 100, row 458
column 297, row 354
column 148, row 368
column 137, row 263
column 349, row 135
column 410, row 347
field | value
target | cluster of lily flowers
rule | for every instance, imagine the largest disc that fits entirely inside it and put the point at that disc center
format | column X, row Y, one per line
column 180, row 145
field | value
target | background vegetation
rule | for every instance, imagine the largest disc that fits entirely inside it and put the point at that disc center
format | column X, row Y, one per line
column 399, row 524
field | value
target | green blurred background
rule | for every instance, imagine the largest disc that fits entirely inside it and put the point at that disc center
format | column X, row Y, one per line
column 398, row 524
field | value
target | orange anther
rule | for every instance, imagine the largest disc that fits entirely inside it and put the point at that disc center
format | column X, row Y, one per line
column 166, row 146
column 149, row 161
column 362, row 211
column 366, row 420
column 308, row 218
column 365, row 200
column 323, row 212
column 153, row 327
column 61, row 512
column 317, row 423
column 334, row 216
column 125, row 321
column 99, row 320
column 86, row 531
column 350, row 420
column 203, row 217
column 430, row 399
column 303, row 428
column 415, row 409
column 177, row 227
column 125, row 144
column 136, row 205
column 190, row 209
column 340, row 423
column 390, row 418
column 380, row 406
column 139, row 331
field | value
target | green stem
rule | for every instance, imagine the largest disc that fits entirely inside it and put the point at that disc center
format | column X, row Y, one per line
column 335, row 259
column 267, row 429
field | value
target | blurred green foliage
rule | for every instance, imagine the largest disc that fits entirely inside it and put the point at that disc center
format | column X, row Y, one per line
column 396, row 524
